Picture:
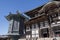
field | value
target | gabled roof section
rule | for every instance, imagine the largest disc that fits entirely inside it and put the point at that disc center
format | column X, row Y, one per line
column 3, row 36
column 36, row 19
column 32, row 12
column 13, row 16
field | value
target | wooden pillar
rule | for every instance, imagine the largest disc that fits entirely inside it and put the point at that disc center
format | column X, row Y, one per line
column 51, row 33
column 39, row 31
column 31, row 31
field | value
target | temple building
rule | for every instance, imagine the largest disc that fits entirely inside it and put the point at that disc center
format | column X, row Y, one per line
column 44, row 22
column 41, row 22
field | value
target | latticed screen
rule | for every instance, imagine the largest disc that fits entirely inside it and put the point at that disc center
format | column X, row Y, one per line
column 16, row 26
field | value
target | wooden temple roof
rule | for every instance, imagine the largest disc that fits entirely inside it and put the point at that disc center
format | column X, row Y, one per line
column 36, row 19
column 14, row 16
column 51, row 8
column 10, row 16
column 3, row 36
column 34, row 11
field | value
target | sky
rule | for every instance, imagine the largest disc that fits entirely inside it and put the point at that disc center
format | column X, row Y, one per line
column 7, row 6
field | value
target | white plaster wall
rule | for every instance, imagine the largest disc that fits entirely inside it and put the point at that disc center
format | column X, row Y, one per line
column 21, row 39
column 58, row 38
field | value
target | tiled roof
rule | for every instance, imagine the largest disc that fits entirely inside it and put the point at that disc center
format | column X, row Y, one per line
column 3, row 36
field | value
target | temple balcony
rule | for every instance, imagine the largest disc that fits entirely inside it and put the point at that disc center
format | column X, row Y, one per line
column 56, row 18
column 55, row 24
column 43, row 27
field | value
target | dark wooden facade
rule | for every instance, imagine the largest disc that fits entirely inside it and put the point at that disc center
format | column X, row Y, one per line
column 49, row 14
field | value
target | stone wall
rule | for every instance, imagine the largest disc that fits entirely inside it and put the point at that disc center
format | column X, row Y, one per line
column 58, row 38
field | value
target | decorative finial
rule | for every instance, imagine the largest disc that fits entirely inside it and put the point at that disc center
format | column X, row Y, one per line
column 10, row 13
column 17, row 12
